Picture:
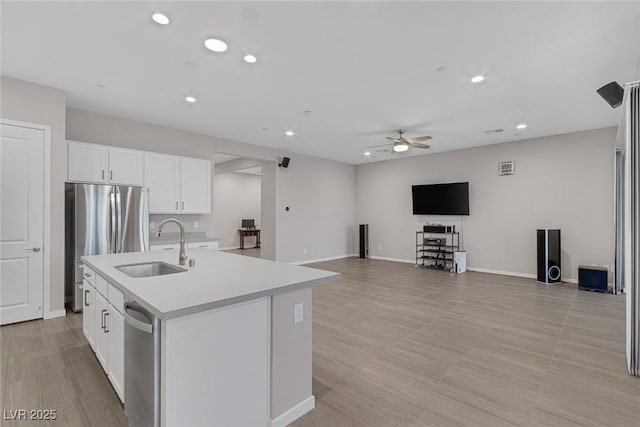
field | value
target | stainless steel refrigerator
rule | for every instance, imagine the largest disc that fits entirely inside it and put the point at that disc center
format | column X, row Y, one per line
column 99, row 220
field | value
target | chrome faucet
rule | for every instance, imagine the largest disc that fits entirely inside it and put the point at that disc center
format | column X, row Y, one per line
column 182, row 255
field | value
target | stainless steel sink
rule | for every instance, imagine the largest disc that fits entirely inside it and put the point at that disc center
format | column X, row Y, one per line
column 149, row 269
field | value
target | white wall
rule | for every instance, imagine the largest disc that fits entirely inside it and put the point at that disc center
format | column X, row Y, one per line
column 236, row 196
column 563, row 181
column 320, row 195
column 33, row 103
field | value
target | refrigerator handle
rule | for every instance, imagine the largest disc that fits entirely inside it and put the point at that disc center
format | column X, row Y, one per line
column 119, row 221
column 114, row 224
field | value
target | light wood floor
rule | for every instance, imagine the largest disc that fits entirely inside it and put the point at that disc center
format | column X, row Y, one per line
column 394, row 346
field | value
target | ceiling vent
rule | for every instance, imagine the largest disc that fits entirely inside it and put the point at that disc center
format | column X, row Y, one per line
column 491, row 131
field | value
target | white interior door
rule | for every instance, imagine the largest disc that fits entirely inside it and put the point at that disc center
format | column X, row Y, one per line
column 21, row 223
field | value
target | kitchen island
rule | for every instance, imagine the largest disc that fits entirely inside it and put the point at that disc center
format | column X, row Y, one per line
column 232, row 338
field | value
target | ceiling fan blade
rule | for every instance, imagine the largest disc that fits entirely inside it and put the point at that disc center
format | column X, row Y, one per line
column 378, row 146
column 418, row 145
column 392, row 139
column 418, row 139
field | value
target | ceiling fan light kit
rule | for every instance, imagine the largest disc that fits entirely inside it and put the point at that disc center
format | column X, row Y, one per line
column 401, row 144
column 400, row 147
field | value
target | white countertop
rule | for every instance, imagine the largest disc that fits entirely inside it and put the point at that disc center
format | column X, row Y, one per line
column 218, row 279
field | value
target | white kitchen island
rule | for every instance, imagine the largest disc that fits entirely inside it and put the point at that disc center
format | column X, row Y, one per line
column 234, row 336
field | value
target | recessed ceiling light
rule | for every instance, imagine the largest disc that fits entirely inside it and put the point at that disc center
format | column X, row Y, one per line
column 289, row 133
column 190, row 99
column 367, row 153
column 215, row 45
column 251, row 59
column 477, row 79
column 160, row 18
column 521, row 126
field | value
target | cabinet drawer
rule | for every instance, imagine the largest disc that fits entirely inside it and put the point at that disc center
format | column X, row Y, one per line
column 204, row 245
column 164, row 247
column 102, row 285
column 116, row 298
column 89, row 275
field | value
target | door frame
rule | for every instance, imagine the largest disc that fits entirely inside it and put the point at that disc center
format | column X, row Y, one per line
column 46, row 243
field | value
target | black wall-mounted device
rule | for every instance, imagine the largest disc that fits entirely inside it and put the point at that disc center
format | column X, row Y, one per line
column 613, row 93
column 285, row 162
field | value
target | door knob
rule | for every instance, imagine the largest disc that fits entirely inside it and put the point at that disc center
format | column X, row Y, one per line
column 32, row 250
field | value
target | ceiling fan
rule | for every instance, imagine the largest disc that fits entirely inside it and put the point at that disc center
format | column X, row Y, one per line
column 401, row 144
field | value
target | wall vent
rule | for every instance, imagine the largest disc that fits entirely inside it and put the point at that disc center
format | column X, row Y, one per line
column 506, row 168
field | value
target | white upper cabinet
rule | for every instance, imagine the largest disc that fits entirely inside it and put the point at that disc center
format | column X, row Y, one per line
column 177, row 184
column 196, row 186
column 126, row 166
column 162, row 178
column 88, row 162
column 103, row 165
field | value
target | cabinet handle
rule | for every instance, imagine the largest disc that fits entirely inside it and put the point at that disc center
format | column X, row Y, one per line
column 102, row 173
column 102, row 323
column 86, row 303
column 176, row 205
column 183, row 205
column 87, row 274
column 110, row 174
column 106, row 326
column 167, row 249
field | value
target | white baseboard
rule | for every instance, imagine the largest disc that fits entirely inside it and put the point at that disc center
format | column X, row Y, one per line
column 384, row 258
column 513, row 273
column 55, row 313
column 294, row 413
column 502, row 272
column 331, row 258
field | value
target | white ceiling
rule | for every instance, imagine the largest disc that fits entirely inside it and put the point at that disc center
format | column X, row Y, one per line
column 364, row 69
column 221, row 158
column 256, row 170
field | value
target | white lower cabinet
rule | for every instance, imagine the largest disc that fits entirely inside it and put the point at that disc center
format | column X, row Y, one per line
column 115, row 363
column 103, row 326
column 102, row 339
column 89, row 313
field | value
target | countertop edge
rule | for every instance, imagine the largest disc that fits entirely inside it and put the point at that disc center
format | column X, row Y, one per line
column 207, row 306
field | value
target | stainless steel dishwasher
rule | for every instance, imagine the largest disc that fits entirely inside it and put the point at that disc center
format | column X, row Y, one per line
column 141, row 366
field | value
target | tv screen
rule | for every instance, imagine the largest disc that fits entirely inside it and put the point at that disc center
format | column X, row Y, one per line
column 441, row 199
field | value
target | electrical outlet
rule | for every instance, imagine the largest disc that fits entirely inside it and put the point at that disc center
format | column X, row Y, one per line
column 195, row 224
column 152, row 226
column 298, row 313
column 304, row 251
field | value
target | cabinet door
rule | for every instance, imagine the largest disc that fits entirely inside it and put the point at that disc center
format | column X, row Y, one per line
column 196, row 186
column 126, row 166
column 89, row 313
column 162, row 177
column 87, row 162
column 102, row 337
column 115, row 325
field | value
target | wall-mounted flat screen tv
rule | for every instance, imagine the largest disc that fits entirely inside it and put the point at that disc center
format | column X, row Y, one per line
column 441, row 199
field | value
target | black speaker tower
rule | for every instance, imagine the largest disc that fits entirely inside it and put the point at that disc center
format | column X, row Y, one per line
column 549, row 263
column 364, row 241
